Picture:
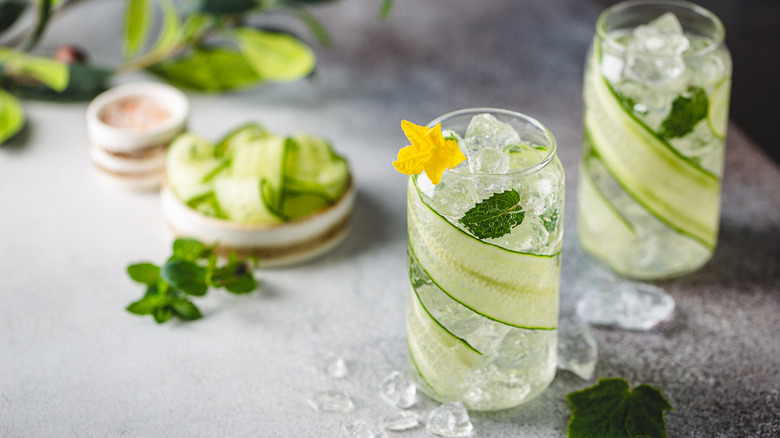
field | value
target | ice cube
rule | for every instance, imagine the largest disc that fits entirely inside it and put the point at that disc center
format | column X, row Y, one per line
column 331, row 401
column 404, row 420
column 577, row 351
column 451, row 420
column 520, row 347
column 654, row 56
column 454, row 195
column 632, row 306
column 398, row 390
column 523, row 155
column 330, row 364
column 352, row 427
column 485, row 131
column 488, row 160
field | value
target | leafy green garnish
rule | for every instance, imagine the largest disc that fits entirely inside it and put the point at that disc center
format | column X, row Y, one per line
column 611, row 410
column 687, row 111
column 190, row 271
column 11, row 116
column 495, row 216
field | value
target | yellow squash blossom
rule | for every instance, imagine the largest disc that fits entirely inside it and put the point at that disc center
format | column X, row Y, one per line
column 429, row 152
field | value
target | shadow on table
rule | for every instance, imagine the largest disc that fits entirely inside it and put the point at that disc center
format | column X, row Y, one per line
column 744, row 257
column 372, row 225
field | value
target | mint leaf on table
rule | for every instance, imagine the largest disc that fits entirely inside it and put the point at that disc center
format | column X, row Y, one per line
column 190, row 271
column 495, row 216
column 611, row 410
column 687, row 111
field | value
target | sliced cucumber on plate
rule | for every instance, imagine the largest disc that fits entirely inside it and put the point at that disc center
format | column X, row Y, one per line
column 254, row 176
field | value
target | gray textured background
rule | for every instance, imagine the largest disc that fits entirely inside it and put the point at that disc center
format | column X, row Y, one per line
column 73, row 363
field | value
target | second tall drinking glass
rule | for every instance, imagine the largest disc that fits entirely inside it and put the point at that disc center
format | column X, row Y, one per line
column 656, row 92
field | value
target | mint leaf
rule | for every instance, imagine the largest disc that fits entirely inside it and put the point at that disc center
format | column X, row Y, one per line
column 495, row 216
column 185, row 276
column 187, row 249
column 185, row 310
column 190, row 271
column 687, row 111
column 145, row 273
column 148, row 304
column 611, row 410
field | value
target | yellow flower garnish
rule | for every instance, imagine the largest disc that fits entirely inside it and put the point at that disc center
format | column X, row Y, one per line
column 429, row 152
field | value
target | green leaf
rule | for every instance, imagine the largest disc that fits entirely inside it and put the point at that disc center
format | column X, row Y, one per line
column 148, row 304
column 225, row 7
column 236, row 277
column 170, row 34
column 145, row 273
column 162, row 314
column 185, row 310
column 207, row 69
column 610, row 410
column 315, row 26
column 44, row 13
column 687, row 111
column 10, row 11
column 11, row 116
column 386, row 9
column 185, row 276
column 137, row 21
column 187, row 249
column 85, row 82
column 275, row 56
column 495, row 216
column 53, row 73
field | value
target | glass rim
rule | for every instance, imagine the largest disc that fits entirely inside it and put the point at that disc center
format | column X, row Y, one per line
column 553, row 146
column 718, row 37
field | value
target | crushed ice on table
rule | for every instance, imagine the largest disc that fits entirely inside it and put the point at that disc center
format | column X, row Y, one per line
column 403, row 420
column 654, row 56
column 331, row 401
column 632, row 306
column 398, row 390
column 577, row 351
column 352, row 427
column 450, row 420
column 330, row 364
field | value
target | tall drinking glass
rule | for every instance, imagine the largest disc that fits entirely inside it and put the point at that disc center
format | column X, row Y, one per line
column 656, row 93
column 483, row 303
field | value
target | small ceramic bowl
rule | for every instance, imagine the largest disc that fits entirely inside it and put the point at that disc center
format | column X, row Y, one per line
column 130, row 127
column 274, row 245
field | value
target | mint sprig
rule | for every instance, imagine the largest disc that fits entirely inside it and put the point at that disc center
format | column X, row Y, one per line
column 495, row 216
column 611, row 410
column 687, row 111
column 190, row 271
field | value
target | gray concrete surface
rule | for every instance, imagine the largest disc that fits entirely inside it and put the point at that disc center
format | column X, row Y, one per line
column 73, row 363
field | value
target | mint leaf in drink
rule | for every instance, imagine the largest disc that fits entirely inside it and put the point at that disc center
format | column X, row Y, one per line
column 495, row 216
column 687, row 110
column 611, row 410
column 190, row 271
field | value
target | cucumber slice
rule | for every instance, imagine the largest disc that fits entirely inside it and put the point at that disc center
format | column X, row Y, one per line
column 514, row 288
column 263, row 158
column 239, row 136
column 189, row 164
column 597, row 217
column 242, row 200
column 718, row 112
column 313, row 167
column 207, row 204
column 441, row 359
column 667, row 184
column 298, row 205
